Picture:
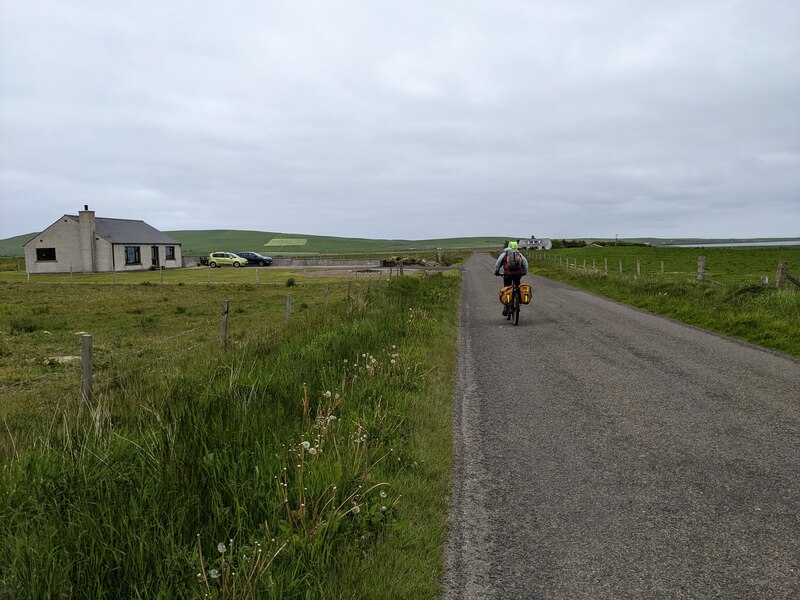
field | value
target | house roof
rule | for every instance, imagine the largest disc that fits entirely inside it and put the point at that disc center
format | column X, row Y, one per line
column 128, row 231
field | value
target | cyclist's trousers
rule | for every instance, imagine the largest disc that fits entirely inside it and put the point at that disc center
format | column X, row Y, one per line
column 509, row 279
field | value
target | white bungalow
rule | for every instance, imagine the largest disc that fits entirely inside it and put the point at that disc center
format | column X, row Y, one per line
column 536, row 243
column 86, row 244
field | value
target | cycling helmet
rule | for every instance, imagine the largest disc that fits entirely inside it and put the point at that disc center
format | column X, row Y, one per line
column 513, row 245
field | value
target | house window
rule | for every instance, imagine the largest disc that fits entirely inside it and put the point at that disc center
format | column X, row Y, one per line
column 45, row 254
column 170, row 251
column 132, row 256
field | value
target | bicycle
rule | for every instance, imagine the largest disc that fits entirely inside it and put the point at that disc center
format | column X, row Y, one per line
column 516, row 301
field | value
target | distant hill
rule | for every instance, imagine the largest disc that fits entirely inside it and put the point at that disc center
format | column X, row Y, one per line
column 13, row 246
column 272, row 243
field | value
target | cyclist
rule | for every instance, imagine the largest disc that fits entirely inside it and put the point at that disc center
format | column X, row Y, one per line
column 511, row 274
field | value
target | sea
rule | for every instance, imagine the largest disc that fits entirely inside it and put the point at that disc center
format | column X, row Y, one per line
column 736, row 244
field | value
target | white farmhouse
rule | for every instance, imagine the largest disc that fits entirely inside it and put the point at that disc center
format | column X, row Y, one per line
column 536, row 243
column 89, row 244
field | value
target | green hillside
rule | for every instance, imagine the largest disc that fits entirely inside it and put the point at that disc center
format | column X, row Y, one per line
column 13, row 246
column 276, row 244
column 297, row 244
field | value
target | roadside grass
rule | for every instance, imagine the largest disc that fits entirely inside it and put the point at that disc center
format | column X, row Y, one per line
column 741, row 307
column 309, row 460
column 742, row 265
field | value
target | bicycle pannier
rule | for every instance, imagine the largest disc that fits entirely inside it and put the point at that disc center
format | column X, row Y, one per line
column 525, row 293
column 505, row 294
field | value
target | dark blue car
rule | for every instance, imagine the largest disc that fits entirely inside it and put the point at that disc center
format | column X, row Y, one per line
column 254, row 258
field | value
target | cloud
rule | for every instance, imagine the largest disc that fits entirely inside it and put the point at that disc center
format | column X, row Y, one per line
column 404, row 119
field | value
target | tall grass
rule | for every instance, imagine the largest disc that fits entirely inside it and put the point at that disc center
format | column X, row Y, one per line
column 281, row 467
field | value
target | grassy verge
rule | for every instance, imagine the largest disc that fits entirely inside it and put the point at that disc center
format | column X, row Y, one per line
column 303, row 461
column 741, row 308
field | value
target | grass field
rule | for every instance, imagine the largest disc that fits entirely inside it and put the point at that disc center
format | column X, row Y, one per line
column 734, row 302
column 300, row 461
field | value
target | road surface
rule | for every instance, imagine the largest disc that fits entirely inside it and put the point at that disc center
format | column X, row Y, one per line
column 604, row 452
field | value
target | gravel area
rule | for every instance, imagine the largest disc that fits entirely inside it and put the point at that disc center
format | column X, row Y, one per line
column 604, row 452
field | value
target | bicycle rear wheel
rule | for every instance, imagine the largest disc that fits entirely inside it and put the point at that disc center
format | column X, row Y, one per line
column 515, row 302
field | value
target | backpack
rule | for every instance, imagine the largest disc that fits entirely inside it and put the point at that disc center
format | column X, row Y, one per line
column 513, row 262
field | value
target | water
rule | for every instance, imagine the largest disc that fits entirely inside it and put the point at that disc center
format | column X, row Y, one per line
column 736, row 244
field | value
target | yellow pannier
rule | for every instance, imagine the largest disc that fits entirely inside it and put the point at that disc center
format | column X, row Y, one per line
column 525, row 293
column 505, row 294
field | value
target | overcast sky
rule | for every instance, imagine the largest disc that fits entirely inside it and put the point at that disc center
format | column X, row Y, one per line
column 412, row 119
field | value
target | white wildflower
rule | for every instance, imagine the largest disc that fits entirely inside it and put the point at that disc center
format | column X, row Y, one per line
column 214, row 574
column 221, row 548
column 327, row 394
column 382, row 494
column 306, row 445
column 312, row 451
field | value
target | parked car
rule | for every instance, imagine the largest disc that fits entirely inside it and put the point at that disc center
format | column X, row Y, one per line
column 254, row 258
column 218, row 259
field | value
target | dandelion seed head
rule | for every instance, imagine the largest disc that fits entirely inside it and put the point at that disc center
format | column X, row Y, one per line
column 221, row 548
column 214, row 574
column 312, row 451
column 306, row 445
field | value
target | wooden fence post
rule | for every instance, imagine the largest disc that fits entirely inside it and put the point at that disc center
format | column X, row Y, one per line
column 208, row 274
column 288, row 307
column 781, row 274
column 701, row 268
column 326, row 294
column 256, row 275
column 400, row 266
column 86, row 368
column 620, row 267
column 605, row 261
column 160, row 274
column 638, row 268
column 223, row 327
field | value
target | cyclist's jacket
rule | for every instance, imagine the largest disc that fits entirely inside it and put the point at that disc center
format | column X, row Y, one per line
column 501, row 263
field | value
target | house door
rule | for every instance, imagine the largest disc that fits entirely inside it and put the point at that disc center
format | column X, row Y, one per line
column 154, row 254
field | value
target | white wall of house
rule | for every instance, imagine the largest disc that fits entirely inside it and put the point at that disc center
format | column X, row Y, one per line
column 145, row 257
column 79, row 249
column 64, row 236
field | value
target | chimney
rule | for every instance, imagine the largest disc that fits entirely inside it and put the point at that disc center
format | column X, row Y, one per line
column 87, row 227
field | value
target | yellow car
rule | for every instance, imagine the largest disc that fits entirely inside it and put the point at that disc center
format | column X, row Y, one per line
column 219, row 259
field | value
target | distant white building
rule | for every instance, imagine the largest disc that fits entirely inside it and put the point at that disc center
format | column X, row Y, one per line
column 84, row 243
column 535, row 243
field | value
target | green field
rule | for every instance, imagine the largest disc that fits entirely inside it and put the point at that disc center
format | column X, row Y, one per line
column 308, row 460
column 731, row 301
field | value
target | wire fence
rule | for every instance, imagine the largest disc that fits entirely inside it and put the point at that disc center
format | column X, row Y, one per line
column 241, row 319
column 634, row 268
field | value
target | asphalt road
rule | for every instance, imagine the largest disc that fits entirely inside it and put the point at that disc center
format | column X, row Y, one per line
column 604, row 452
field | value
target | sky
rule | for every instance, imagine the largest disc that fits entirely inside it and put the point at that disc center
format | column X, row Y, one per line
column 404, row 120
